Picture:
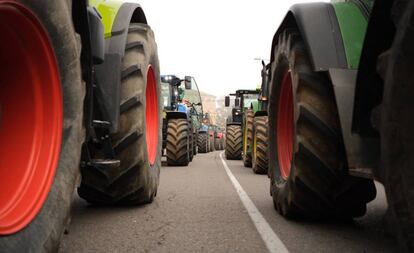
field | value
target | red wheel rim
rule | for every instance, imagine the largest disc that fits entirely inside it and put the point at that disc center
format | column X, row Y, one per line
column 151, row 115
column 30, row 116
column 285, row 126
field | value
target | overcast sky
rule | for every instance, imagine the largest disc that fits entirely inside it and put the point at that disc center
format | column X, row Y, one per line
column 215, row 41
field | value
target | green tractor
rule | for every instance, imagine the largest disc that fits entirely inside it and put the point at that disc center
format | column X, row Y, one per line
column 259, row 139
column 340, row 111
column 239, row 126
column 183, row 112
column 81, row 108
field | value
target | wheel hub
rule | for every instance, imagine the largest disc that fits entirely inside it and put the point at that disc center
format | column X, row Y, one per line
column 31, row 116
column 151, row 115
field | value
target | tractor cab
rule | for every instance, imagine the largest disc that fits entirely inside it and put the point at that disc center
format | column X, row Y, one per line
column 243, row 100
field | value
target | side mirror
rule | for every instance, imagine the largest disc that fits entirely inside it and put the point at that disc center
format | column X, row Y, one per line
column 187, row 81
column 237, row 102
column 227, row 101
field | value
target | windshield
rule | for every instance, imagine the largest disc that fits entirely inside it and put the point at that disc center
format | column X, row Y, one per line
column 193, row 97
column 165, row 94
column 248, row 99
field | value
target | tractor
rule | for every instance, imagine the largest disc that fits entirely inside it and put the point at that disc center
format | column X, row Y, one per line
column 203, row 141
column 258, row 145
column 340, row 111
column 205, row 135
column 81, row 108
column 218, row 138
column 239, row 126
column 181, row 121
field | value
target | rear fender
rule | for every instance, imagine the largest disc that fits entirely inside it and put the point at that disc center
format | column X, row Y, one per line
column 319, row 28
column 255, row 106
column 116, row 17
column 260, row 113
column 176, row 115
column 233, row 124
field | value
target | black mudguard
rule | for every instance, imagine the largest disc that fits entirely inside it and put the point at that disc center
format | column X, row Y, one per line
column 233, row 123
column 108, row 74
column 260, row 113
column 176, row 115
column 369, row 88
column 319, row 28
column 362, row 151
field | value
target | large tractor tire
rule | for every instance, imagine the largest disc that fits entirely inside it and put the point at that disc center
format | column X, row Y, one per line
column 259, row 150
column 191, row 143
column 248, row 138
column 178, row 142
column 396, row 128
column 217, row 144
column 195, row 143
column 211, row 144
column 309, row 177
column 137, row 144
column 41, row 97
column 203, row 142
column 234, row 142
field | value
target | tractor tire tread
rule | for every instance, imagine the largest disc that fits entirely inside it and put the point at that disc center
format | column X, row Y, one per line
column 260, row 155
column 178, row 142
column 234, row 142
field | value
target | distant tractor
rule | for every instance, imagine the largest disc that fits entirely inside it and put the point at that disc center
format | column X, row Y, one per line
column 203, row 142
column 182, row 119
column 239, row 126
column 80, row 106
column 341, row 111
column 259, row 145
column 218, row 138
column 205, row 135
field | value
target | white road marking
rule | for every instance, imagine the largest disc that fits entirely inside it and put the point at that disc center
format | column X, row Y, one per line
column 272, row 241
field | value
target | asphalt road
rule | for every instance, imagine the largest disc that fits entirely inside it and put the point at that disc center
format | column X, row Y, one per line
column 198, row 210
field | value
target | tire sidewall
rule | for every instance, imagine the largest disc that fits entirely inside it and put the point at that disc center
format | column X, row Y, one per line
column 279, row 67
column 154, row 170
column 45, row 231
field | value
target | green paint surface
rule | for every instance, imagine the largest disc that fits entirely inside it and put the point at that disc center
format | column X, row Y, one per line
column 353, row 25
column 108, row 10
column 255, row 106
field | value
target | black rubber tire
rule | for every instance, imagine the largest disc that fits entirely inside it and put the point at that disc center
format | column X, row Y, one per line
column 248, row 138
column 195, row 143
column 396, row 127
column 135, row 181
column 191, row 143
column 234, row 142
column 211, row 146
column 318, row 185
column 178, row 142
column 260, row 153
column 203, row 142
column 217, row 144
column 43, row 234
